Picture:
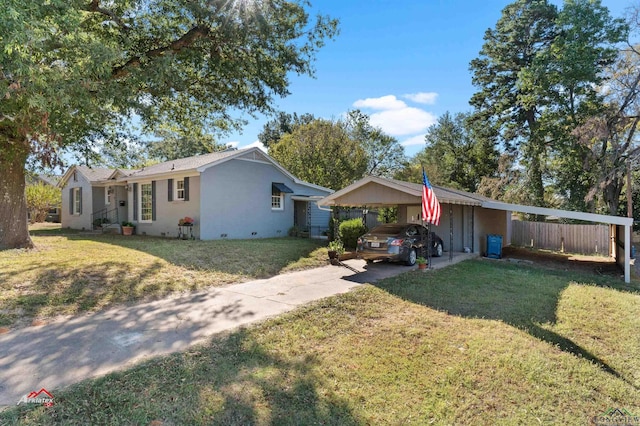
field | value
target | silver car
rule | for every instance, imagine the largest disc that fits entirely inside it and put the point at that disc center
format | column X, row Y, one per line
column 397, row 242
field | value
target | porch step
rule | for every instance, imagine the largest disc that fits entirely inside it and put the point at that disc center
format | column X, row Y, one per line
column 113, row 228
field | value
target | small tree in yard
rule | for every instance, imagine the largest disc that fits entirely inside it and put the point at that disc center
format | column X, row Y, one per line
column 40, row 199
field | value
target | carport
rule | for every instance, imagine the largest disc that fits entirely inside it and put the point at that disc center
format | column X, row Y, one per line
column 468, row 218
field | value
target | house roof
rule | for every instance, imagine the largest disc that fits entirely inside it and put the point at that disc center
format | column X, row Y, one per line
column 49, row 179
column 183, row 164
column 201, row 163
column 94, row 174
column 196, row 164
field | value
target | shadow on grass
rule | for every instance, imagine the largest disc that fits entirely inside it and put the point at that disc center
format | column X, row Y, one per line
column 231, row 380
column 58, row 290
column 524, row 297
column 256, row 258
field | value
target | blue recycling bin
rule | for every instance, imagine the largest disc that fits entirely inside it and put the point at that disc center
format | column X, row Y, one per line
column 494, row 246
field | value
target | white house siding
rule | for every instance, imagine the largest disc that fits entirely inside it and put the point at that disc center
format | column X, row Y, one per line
column 68, row 219
column 168, row 213
column 236, row 201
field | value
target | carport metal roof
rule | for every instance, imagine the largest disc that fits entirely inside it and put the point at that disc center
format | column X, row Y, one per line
column 374, row 191
column 391, row 192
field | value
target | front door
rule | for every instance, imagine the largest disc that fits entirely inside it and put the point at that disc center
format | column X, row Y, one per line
column 300, row 215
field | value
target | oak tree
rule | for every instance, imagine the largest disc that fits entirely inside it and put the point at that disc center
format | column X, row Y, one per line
column 73, row 70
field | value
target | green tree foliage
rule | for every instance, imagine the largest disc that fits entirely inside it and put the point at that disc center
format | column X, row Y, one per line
column 538, row 75
column 461, row 154
column 384, row 153
column 175, row 143
column 611, row 137
column 40, row 198
column 74, row 71
column 321, row 152
column 508, row 74
column 284, row 123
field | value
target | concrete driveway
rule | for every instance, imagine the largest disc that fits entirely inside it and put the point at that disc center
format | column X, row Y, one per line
column 70, row 349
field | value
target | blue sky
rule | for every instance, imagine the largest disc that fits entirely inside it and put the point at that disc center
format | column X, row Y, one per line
column 403, row 62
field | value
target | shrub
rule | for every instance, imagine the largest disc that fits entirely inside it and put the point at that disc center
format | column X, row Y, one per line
column 40, row 198
column 350, row 230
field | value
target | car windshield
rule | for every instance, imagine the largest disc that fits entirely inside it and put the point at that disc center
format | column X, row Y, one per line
column 388, row 229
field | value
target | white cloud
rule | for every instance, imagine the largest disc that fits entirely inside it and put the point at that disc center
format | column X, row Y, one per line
column 428, row 98
column 413, row 141
column 258, row 144
column 232, row 144
column 402, row 122
column 384, row 103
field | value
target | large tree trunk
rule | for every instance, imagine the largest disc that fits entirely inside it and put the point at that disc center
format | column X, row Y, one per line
column 14, row 231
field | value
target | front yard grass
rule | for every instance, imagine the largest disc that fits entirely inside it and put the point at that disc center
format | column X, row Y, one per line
column 480, row 342
column 72, row 273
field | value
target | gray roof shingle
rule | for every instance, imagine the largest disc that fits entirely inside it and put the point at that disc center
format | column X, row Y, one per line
column 95, row 174
column 183, row 164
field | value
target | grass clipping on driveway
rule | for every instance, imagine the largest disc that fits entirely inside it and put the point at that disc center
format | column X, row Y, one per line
column 476, row 343
column 75, row 273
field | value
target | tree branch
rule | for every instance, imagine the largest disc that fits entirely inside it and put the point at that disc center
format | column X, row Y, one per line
column 94, row 6
column 186, row 40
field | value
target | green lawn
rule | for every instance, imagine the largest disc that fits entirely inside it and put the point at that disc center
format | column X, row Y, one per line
column 70, row 273
column 475, row 343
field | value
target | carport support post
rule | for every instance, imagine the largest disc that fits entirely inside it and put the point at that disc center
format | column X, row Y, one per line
column 429, row 246
column 451, row 232
column 627, row 253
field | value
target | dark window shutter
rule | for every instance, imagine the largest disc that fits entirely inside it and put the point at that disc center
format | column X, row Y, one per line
column 71, row 201
column 135, row 201
column 170, row 190
column 153, row 200
column 80, row 198
column 186, row 189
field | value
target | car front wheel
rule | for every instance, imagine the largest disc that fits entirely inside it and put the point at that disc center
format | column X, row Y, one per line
column 438, row 250
column 411, row 260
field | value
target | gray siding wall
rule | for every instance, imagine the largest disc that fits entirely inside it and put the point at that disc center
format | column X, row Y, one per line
column 168, row 213
column 82, row 221
column 236, row 201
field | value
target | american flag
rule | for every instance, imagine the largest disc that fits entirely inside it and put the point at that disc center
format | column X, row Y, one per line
column 430, row 204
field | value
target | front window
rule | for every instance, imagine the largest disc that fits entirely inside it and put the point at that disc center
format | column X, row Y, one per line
column 76, row 201
column 276, row 202
column 179, row 190
column 146, row 202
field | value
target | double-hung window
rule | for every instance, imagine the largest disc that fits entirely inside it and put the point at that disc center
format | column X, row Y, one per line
column 77, row 201
column 146, row 202
column 179, row 189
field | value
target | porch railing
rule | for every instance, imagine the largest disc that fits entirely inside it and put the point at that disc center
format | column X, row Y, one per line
column 104, row 217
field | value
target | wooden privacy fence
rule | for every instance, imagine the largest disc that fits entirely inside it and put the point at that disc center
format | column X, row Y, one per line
column 584, row 239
